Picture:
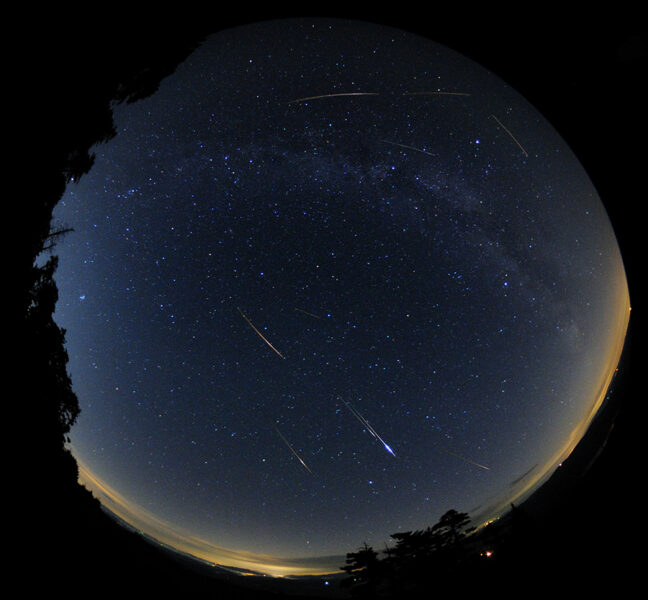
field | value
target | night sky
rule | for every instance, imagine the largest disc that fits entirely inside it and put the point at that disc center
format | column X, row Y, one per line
column 330, row 281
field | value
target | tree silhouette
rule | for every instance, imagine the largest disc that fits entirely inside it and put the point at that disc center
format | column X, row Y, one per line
column 407, row 563
column 78, row 77
column 54, row 236
column 419, row 559
column 53, row 388
column 364, row 568
column 451, row 528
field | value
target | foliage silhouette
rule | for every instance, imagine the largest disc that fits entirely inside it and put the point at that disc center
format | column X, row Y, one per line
column 417, row 557
column 77, row 543
column 364, row 568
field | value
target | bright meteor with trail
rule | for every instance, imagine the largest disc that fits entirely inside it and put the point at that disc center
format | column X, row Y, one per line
column 332, row 96
column 510, row 135
column 436, row 94
column 259, row 333
column 367, row 426
column 299, row 458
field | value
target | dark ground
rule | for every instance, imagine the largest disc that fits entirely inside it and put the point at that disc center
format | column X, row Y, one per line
column 579, row 533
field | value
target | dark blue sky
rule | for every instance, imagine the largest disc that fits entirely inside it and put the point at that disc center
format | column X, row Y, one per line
column 415, row 240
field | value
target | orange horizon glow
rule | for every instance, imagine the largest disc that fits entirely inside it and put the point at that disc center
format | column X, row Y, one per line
column 187, row 542
column 616, row 345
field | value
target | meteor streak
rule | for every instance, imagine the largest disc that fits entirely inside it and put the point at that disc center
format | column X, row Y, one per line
column 259, row 333
column 436, row 94
column 367, row 426
column 333, row 96
column 510, row 135
column 464, row 459
column 307, row 313
column 292, row 450
column 408, row 147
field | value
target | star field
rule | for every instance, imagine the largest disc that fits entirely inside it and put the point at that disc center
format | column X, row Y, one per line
column 248, row 257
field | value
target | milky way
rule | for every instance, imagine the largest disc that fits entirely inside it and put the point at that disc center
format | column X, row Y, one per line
column 314, row 213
